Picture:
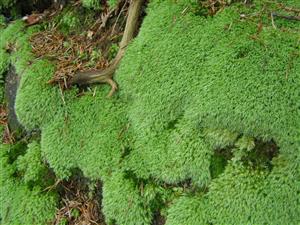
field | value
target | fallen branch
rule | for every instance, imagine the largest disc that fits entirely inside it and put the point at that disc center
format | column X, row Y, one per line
column 106, row 75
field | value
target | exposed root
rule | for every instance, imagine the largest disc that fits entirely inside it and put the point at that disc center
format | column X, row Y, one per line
column 106, row 75
column 113, row 85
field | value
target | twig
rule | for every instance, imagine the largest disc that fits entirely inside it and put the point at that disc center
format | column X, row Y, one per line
column 118, row 17
column 289, row 9
column 62, row 95
column 297, row 18
column 273, row 22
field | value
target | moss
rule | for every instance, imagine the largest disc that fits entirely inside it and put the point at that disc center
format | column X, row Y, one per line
column 113, row 50
column 5, row 4
column 69, row 21
column 4, row 63
column 245, row 197
column 90, row 136
column 219, row 79
column 63, row 118
column 122, row 203
column 30, row 110
column 20, row 203
column 212, row 77
column 188, row 210
column 242, row 197
column 189, row 85
column 112, row 3
column 31, row 166
column 11, row 33
column 92, row 4
column 72, row 20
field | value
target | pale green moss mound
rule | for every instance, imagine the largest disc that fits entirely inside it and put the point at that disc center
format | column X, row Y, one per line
column 205, row 127
column 196, row 84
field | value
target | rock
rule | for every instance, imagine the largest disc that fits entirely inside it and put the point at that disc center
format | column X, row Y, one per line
column 11, row 86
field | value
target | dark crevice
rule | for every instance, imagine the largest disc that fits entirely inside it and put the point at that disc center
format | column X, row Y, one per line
column 258, row 158
column 158, row 219
column 16, row 130
column 12, row 81
column 81, row 201
column 219, row 161
column 261, row 156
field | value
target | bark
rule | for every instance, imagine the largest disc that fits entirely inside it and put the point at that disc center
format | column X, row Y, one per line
column 106, row 75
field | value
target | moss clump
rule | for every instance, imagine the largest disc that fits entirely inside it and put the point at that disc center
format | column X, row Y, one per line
column 200, row 84
column 112, row 3
column 92, row 4
column 242, row 197
column 97, row 5
column 189, row 86
column 31, row 166
column 86, row 125
column 5, row 4
column 194, row 84
column 22, row 203
column 89, row 136
column 127, row 208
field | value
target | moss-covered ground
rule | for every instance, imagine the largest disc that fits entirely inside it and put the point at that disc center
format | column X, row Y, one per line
column 204, row 128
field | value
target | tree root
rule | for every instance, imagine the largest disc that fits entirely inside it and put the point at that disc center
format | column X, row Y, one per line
column 106, row 75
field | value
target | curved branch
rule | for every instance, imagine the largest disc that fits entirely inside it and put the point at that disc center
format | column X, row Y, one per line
column 106, row 75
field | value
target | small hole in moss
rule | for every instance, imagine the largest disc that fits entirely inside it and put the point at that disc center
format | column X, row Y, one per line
column 261, row 156
column 158, row 219
column 219, row 161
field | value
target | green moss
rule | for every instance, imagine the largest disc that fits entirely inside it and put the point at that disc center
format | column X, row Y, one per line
column 188, row 210
column 31, row 111
column 20, row 203
column 92, row 4
column 245, row 197
column 122, row 203
column 90, row 136
column 11, row 33
column 187, row 66
column 4, row 63
column 218, row 79
column 31, row 166
column 63, row 118
column 112, row 3
column 5, row 4
column 69, row 21
column 189, row 85
column 72, row 20
column 113, row 50
column 242, row 197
